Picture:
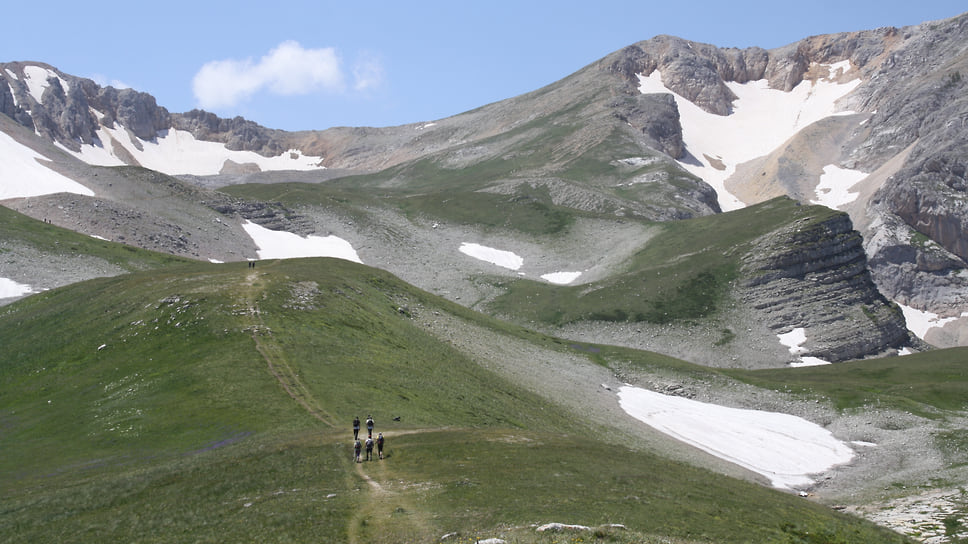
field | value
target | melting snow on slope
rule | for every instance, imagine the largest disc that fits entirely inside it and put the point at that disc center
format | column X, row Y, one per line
column 794, row 340
column 784, row 448
column 762, row 119
column 10, row 288
column 561, row 278
column 504, row 259
column 920, row 321
column 37, row 77
column 834, row 188
column 512, row 261
column 177, row 152
column 274, row 244
column 22, row 176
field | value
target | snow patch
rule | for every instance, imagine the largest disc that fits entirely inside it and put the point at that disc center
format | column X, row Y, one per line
column 512, row 261
column 920, row 321
column 275, row 244
column 761, row 120
column 37, row 82
column 561, row 278
column 10, row 288
column 505, row 259
column 794, row 340
column 22, row 176
column 833, row 191
column 809, row 361
column 784, row 448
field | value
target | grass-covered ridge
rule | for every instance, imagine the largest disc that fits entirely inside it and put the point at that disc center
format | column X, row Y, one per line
column 928, row 383
column 687, row 271
column 18, row 230
column 502, row 181
column 211, row 402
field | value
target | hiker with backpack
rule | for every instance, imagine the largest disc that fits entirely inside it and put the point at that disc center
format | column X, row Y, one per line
column 379, row 446
column 356, row 427
column 357, row 446
column 369, row 426
column 369, row 448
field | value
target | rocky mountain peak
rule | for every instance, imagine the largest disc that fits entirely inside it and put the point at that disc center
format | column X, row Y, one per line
column 70, row 110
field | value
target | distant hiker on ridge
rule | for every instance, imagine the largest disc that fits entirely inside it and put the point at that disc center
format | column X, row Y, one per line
column 369, row 426
column 356, row 427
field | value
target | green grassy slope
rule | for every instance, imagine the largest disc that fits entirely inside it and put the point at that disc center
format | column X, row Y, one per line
column 686, row 272
column 17, row 229
column 927, row 383
column 212, row 403
column 579, row 147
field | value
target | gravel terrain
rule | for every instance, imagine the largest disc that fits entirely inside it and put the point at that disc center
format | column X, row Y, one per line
column 898, row 477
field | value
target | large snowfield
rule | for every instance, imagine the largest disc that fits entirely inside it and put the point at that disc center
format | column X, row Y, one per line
column 762, row 119
column 786, row 449
column 177, row 152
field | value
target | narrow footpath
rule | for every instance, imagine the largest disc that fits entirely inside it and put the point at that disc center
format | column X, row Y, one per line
column 385, row 514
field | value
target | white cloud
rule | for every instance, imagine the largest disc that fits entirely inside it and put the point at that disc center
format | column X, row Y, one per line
column 287, row 70
column 367, row 73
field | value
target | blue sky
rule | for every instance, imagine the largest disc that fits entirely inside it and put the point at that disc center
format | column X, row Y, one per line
column 297, row 64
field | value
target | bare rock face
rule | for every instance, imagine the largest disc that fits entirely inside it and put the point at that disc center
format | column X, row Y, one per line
column 813, row 275
column 136, row 111
column 237, row 133
column 64, row 117
column 656, row 117
column 914, row 94
column 691, row 73
column 65, row 113
column 918, row 239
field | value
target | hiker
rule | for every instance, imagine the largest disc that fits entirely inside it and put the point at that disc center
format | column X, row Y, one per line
column 379, row 446
column 369, row 426
column 357, row 446
column 356, row 427
column 369, row 449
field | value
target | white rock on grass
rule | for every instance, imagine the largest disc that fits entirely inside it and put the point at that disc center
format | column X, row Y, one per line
column 557, row 527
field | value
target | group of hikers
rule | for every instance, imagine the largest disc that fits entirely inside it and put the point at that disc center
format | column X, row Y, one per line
column 358, row 446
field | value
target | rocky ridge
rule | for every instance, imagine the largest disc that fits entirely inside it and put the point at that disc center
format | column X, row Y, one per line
column 71, row 109
column 912, row 141
column 813, row 275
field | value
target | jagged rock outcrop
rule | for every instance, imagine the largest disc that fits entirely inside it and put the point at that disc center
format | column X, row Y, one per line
column 918, row 218
column 135, row 111
column 271, row 215
column 813, row 274
column 65, row 112
column 914, row 92
column 237, row 133
column 655, row 116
